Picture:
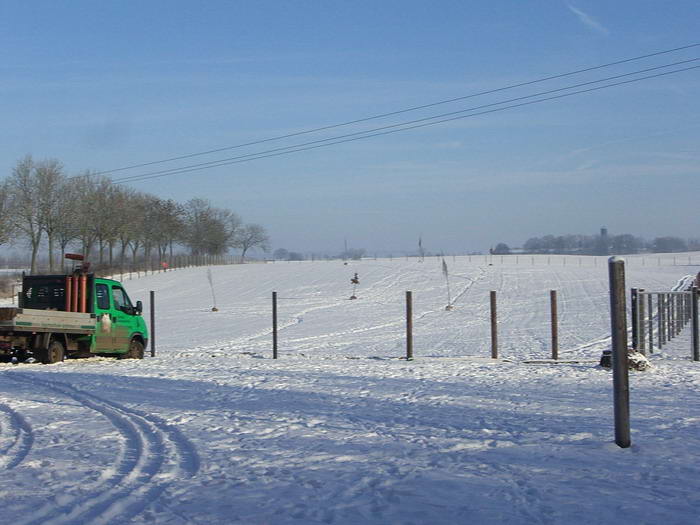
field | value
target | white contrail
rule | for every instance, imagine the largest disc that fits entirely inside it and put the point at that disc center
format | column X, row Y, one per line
column 588, row 20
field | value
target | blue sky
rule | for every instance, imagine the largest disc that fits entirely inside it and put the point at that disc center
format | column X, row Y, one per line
column 101, row 85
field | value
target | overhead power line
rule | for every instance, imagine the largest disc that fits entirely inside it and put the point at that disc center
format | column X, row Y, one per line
column 217, row 162
column 398, row 112
column 414, row 124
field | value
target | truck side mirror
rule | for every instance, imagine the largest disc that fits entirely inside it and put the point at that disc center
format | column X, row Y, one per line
column 139, row 307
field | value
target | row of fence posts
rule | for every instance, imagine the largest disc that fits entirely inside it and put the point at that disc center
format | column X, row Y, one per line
column 176, row 262
column 562, row 259
column 554, row 324
column 674, row 311
column 409, row 325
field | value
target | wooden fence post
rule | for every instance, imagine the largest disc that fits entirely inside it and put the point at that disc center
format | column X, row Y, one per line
column 635, row 317
column 618, row 326
column 494, row 327
column 555, row 324
column 274, row 325
column 667, row 319
column 641, row 339
column 153, row 323
column 672, row 316
column 650, row 305
column 660, row 318
column 668, row 301
column 694, row 321
column 409, row 326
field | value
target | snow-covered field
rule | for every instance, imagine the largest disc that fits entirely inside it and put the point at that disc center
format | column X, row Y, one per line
column 339, row 429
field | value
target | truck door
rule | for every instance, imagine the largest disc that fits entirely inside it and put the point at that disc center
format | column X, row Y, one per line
column 123, row 321
column 104, row 338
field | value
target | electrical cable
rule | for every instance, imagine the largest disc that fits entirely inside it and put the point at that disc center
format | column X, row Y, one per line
column 409, row 125
column 215, row 163
column 398, row 112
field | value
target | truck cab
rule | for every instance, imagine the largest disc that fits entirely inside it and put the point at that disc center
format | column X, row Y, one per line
column 120, row 328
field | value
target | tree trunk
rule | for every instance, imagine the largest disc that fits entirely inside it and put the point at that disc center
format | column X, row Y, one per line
column 63, row 245
column 122, row 258
column 87, row 248
column 35, row 251
column 51, row 247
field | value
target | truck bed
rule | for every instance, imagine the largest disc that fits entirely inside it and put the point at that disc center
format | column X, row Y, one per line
column 32, row 320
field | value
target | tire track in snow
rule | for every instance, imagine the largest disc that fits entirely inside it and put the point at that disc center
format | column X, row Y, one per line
column 376, row 292
column 399, row 320
column 20, row 434
column 456, row 339
column 153, row 455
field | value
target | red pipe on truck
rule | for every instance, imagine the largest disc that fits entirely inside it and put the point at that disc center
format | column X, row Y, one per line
column 83, row 293
column 74, row 299
column 69, row 294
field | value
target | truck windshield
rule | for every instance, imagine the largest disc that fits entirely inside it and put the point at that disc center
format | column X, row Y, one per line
column 120, row 298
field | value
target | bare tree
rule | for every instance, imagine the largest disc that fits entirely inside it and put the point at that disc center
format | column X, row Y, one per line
column 251, row 236
column 209, row 230
column 234, row 225
column 162, row 225
column 127, row 222
column 103, row 193
column 64, row 229
column 91, row 211
column 53, row 205
column 25, row 205
column 138, row 206
column 87, row 209
column 197, row 222
column 166, row 225
column 5, row 223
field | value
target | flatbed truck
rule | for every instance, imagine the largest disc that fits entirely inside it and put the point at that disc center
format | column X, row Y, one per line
column 77, row 315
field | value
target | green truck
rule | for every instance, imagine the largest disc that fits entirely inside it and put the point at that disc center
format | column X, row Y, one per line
column 77, row 315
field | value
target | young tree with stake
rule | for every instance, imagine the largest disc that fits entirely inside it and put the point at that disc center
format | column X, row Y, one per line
column 447, row 281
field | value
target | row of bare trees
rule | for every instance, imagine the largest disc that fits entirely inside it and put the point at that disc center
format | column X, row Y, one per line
column 111, row 223
column 604, row 245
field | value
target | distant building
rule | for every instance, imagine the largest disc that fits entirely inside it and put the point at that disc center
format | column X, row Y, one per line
column 602, row 245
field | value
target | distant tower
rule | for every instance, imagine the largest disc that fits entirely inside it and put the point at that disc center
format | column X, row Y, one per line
column 602, row 244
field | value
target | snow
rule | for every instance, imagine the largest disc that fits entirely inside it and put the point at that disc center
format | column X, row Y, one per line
column 340, row 429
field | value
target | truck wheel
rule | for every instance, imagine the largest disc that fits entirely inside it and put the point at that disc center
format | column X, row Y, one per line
column 135, row 350
column 55, row 353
